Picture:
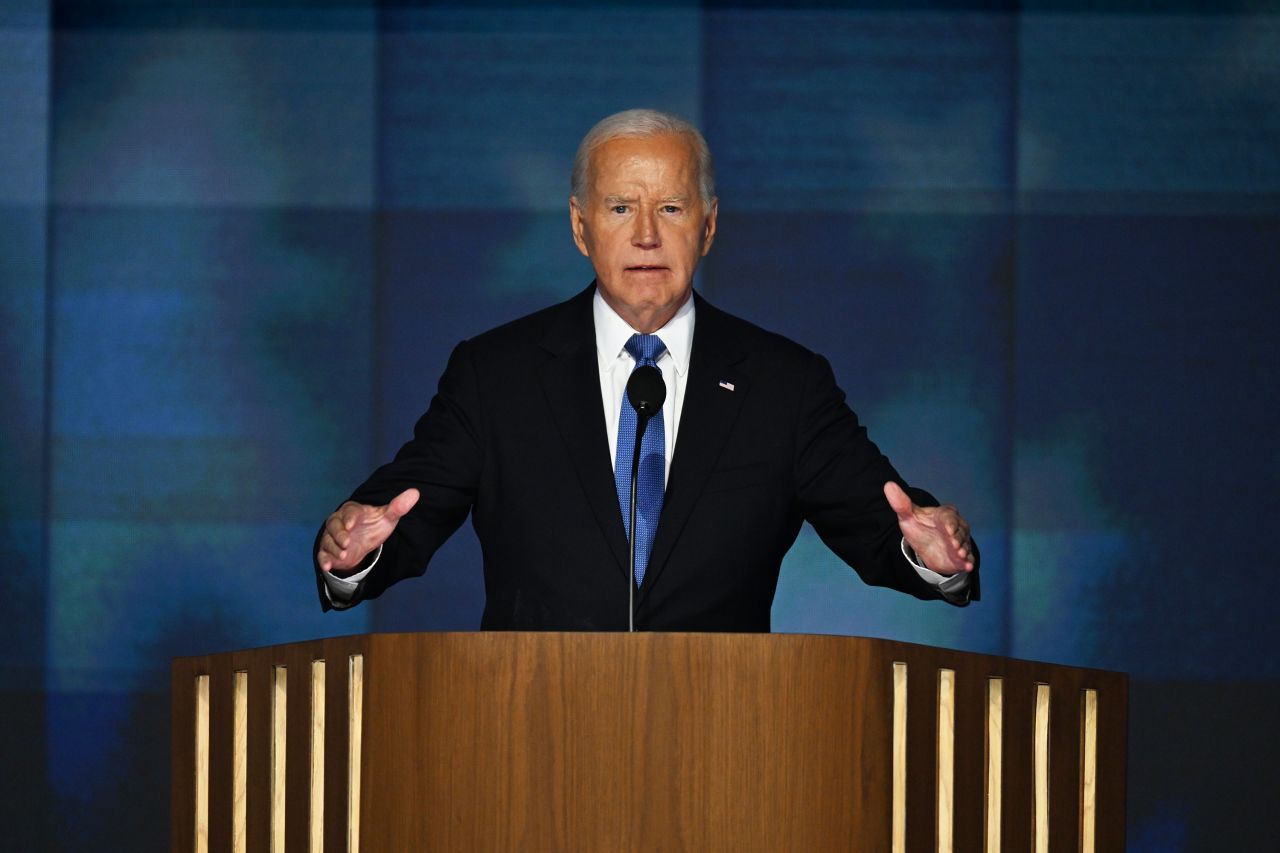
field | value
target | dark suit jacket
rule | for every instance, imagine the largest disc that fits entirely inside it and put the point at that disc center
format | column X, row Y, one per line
column 516, row 436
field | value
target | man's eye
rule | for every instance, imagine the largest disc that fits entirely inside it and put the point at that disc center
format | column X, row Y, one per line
column 619, row 208
column 670, row 208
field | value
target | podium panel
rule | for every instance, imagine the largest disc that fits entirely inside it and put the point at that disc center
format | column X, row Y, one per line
column 594, row 741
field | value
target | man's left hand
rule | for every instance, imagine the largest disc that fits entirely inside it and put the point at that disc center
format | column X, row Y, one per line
column 938, row 535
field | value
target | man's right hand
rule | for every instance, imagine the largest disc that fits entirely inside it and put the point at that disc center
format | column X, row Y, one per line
column 356, row 530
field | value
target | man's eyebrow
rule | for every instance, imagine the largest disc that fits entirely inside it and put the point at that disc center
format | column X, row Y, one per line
column 628, row 199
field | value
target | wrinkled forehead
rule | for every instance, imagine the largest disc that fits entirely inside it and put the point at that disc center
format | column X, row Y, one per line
column 667, row 159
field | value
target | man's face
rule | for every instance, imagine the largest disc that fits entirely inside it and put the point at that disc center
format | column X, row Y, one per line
column 644, row 226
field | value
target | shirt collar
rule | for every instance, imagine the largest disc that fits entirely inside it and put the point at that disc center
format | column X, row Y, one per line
column 612, row 334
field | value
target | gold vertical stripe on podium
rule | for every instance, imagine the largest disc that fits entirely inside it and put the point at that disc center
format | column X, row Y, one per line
column 995, row 761
column 279, row 709
column 899, row 757
column 201, row 841
column 316, row 833
column 1040, row 770
column 239, row 758
column 355, row 712
column 946, row 758
column 1089, row 772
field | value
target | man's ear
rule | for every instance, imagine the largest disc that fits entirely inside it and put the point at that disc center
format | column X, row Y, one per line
column 709, row 229
column 578, row 224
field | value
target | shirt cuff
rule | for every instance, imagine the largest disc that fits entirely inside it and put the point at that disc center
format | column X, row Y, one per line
column 953, row 587
column 340, row 591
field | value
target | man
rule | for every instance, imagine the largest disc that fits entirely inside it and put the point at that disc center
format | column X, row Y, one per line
column 531, row 434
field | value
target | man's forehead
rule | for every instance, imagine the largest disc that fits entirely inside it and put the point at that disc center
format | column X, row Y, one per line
column 663, row 140
column 616, row 158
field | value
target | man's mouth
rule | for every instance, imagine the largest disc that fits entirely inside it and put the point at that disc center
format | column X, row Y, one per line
column 645, row 268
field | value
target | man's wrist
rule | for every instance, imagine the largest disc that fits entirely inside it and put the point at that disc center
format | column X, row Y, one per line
column 913, row 558
column 341, row 590
column 362, row 566
column 954, row 588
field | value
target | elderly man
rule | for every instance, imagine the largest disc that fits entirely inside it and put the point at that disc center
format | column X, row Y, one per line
column 532, row 433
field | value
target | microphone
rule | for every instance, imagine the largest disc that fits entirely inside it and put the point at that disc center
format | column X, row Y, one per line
column 647, row 392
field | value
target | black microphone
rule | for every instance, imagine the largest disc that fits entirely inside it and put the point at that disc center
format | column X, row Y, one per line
column 647, row 392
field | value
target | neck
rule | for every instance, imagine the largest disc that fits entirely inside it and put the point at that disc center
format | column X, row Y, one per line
column 647, row 321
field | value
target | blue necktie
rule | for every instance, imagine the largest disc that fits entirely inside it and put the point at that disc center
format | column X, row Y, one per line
column 650, row 481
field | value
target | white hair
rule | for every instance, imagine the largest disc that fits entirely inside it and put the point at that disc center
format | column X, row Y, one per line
column 639, row 123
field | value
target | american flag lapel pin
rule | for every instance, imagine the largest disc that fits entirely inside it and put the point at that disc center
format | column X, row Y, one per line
column 728, row 386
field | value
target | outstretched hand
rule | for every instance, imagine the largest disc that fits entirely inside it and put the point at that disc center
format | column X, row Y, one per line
column 938, row 535
column 355, row 530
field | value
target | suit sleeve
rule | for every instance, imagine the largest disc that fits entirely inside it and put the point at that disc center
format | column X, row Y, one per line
column 840, row 477
column 443, row 461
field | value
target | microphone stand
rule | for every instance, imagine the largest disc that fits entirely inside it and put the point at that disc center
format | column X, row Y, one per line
column 647, row 392
column 642, row 421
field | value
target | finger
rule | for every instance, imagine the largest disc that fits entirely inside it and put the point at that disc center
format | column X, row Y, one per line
column 350, row 512
column 337, row 531
column 333, row 547
column 401, row 504
column 334, row 524
column 954, row 525
column 898, row 500
column 328, row 545
column 325, row 556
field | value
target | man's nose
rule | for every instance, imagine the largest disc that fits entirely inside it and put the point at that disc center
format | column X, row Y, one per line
column 646, row 233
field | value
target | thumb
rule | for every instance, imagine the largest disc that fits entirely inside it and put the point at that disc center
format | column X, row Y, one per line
column 898, row 500
column 401, row 504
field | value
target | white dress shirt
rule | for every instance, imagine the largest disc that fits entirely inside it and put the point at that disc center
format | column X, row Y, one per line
column 616, row 364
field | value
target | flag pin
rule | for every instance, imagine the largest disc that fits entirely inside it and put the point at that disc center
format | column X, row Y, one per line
column 728, row 386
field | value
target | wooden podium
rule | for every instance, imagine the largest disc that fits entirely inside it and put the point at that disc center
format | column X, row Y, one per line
column 616, row 742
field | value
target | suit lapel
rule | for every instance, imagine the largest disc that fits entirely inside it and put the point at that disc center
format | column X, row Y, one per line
column 707, row 414
column 571, row 382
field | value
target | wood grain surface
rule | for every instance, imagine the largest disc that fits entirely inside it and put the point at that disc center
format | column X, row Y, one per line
column 702, row 742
